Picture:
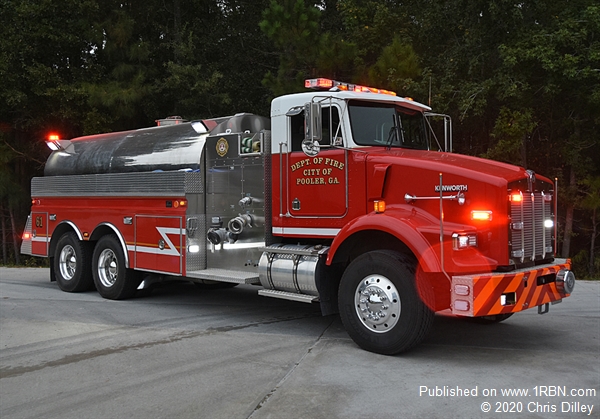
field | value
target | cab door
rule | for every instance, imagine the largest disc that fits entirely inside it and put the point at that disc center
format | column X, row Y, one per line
column 317, row 186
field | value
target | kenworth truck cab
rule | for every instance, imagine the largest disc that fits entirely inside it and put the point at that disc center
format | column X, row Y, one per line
column 344, row 197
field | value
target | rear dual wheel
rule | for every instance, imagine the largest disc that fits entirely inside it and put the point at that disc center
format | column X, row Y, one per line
column 380, row 306
column 113, row 280
column 72, row 264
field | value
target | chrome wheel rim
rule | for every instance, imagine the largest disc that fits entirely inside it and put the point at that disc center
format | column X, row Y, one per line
column 67, row 262
column 377, row 303
column 108, row 268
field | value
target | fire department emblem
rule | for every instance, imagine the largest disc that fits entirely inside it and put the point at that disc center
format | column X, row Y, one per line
column 222, row 147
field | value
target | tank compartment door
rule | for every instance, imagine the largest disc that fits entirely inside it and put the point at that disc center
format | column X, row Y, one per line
column 159, row 244
column 39, row 234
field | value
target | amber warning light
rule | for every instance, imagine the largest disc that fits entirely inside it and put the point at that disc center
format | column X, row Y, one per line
column 516, row 197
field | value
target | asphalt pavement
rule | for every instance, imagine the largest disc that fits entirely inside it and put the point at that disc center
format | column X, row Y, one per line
column 183, row 352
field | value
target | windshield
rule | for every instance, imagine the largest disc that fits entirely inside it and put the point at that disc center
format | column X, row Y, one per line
column 387, row 125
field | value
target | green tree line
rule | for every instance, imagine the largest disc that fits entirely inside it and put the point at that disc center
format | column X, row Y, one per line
column 521, row 80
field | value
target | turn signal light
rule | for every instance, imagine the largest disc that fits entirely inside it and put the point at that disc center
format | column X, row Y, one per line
column 516, row 197
column 177, row 204
column 379, row 206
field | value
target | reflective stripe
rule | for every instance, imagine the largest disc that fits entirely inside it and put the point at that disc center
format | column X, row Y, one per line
column 169, row 250
column 306, row 231
column 41, row 239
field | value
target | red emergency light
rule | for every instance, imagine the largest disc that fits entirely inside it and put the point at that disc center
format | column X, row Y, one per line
column 54, row 142
column 326, row 84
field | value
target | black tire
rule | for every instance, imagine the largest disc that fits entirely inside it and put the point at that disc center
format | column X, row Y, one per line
column 208, row 285
column 113, row 280
column 387, row 278
column 72, row 264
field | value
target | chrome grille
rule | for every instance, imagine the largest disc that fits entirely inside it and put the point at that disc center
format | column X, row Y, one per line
column 531, row 236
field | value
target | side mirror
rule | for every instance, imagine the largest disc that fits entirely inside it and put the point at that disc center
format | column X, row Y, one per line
column 440, row 123
column 313, row 130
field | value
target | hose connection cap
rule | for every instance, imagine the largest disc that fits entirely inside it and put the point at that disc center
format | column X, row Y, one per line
column 236, row 225
column 565, row 281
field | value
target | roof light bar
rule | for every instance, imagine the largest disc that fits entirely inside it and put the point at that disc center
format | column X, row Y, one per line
column 326, row 84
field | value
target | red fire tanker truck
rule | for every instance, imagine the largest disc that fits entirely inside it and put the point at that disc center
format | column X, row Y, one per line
column 343, row 197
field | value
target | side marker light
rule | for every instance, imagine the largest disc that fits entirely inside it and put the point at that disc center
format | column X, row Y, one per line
column 379, row 206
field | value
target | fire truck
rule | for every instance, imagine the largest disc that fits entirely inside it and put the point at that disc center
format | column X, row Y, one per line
column 345, row 197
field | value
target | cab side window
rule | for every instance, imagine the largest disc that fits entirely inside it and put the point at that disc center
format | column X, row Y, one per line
column 297, row 131
column 332, row 133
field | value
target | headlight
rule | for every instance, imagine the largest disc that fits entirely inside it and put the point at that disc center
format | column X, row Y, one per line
column 463, row 240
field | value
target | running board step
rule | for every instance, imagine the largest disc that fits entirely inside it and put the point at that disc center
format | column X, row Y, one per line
column 284, row 295
column 225, row 275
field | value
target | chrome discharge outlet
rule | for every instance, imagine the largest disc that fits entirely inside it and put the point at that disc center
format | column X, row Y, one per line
column 236, row 225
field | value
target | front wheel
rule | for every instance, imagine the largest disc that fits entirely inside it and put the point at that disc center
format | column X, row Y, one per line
column 113, row 280
column 379, row 303
column 72, row 267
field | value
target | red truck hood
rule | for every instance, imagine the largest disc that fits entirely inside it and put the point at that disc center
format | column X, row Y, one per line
column 488, row 171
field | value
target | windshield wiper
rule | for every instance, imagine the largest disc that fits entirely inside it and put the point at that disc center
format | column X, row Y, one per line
column 397, row 130
column 390, row 138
